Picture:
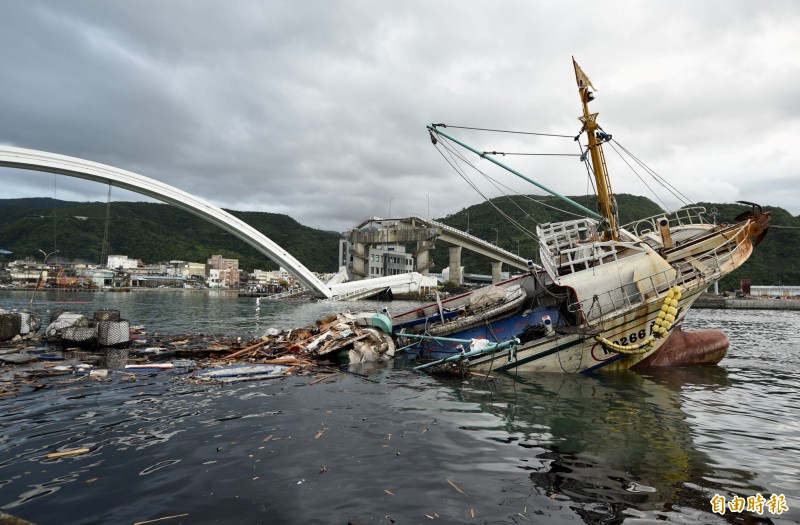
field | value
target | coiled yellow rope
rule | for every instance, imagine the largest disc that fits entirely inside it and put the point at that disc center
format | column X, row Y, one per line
column 664, row 321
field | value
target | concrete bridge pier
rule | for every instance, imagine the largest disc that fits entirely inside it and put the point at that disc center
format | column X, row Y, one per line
column 497, row 271
column 423, row 257
column 360, row 259
column 455, row 264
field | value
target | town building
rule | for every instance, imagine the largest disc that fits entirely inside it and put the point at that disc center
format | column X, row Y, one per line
column 389, row 259
column 227, row 271
column 122, row 262
column 382, row 259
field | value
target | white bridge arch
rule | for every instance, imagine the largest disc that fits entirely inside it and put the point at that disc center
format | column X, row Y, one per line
column 83, row 169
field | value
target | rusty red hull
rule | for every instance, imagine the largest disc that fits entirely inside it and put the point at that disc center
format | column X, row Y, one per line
column 701, row 347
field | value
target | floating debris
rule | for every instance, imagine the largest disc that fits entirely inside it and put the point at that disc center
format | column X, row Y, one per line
column 243, row 372
column 78, row 343
column 67, row 453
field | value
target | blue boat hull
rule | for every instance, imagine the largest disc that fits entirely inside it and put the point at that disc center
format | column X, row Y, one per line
column 495, row 331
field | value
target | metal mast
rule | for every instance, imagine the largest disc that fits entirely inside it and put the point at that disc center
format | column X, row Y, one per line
column 607, row 204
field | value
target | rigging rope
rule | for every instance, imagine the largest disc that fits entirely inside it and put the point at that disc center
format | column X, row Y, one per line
column 506, row 131
column 640, row 177
column 453, row 152
column 661, row 180
column 504, row 153
column 455, row 155
column 464, row 176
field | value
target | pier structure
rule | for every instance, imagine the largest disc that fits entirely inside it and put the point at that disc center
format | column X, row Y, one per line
column 422, row 232
column 35, row 160
column 719, row 302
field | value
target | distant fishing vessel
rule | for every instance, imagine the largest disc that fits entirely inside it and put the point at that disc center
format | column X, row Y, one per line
column 605, row 297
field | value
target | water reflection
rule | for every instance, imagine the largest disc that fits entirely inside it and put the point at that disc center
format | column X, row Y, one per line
column 617, row 446
column 219, row 312
column 545, row 448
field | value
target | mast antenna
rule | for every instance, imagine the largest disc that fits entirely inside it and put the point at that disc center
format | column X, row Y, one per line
column 607, row 204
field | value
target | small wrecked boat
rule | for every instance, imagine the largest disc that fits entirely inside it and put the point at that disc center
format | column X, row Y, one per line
column 605, row 297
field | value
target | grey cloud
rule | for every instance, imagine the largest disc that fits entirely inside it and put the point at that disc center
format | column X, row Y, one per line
column 318, row 110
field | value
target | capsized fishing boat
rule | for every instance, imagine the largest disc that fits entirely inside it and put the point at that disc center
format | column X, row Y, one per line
column 605, row 297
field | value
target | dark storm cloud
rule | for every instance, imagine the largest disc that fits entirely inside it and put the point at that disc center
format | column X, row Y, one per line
column 317, row 109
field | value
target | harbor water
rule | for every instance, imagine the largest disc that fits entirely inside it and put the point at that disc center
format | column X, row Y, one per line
column 390, row 445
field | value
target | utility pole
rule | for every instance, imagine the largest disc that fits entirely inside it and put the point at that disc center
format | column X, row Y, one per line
column 41, row 271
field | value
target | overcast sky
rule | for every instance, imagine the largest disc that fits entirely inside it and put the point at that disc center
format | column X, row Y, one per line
column 317, row 109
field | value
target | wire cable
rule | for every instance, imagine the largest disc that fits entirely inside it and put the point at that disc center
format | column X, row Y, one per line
column 506, row 131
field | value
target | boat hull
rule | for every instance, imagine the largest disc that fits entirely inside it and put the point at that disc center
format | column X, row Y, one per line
column 701, row 347
column 495, row 330
column 581, row 352
column 605, row 301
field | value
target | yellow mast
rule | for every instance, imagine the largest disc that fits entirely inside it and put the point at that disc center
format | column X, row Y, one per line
column 607, row 204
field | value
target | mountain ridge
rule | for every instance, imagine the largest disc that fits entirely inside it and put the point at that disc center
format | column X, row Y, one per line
column 157, row 232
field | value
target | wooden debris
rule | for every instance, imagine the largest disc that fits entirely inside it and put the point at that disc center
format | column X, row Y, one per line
column 161, row 519
column 336, row 345
column 66, row 453
column 303, row 349
column 248, row 349
column 323, row 378
column 456, row 487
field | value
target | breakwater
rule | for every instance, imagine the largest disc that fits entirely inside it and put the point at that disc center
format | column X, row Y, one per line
column 731, row 303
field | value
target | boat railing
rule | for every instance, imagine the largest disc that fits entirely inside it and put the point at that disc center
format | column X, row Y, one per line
column 709, row 266
column 583, row 257
column 625, row 297
column 695, row 272
column 558, row 236
column 683, row 217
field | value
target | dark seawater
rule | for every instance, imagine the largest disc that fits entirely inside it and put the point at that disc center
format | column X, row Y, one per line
column 399, row 446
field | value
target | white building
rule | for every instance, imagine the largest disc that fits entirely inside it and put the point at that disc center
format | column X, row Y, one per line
column 122, row 261
column 389, row 259
column 212, row 278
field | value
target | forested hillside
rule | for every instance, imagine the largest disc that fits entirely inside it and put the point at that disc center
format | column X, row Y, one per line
column 152, row 232
column 159, row 232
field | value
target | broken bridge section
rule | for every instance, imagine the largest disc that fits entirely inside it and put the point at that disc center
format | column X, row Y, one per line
column 35, row 160
column 423, row 232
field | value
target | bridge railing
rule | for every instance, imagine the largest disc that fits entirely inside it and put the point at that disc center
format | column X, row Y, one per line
column 287, row 293
column 459, row 233
column 353, row 293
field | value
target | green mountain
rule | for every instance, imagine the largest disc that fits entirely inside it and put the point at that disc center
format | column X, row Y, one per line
column 159, row 232
column 152, row 232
